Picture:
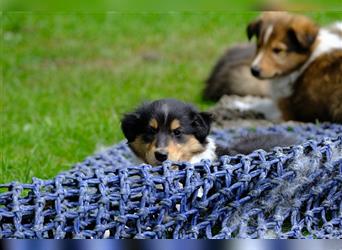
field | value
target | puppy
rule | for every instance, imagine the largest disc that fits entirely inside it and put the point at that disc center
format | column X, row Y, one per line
column 304, row 64
column 231, row 75
column 168, row 129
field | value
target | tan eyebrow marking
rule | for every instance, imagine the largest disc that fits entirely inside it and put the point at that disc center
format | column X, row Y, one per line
column 175, row 124
column 153, row 123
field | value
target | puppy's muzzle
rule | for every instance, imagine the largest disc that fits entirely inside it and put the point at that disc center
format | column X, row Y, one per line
column 161, row 155
column 255, row 70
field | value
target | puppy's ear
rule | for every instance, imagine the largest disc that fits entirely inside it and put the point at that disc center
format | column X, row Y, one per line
column 302, row 32
column 201, row 123
column 253, row 29
column 130, row 126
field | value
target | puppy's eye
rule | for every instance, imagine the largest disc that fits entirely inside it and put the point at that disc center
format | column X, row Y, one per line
column 152, row 130
column 277, row 50
column 177, row 132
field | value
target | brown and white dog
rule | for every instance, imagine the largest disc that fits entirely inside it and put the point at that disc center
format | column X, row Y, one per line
column 304, row 63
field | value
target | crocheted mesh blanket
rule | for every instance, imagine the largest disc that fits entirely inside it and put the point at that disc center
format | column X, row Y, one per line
column 292, row 192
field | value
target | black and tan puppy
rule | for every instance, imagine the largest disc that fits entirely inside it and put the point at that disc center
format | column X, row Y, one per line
column 168, row 129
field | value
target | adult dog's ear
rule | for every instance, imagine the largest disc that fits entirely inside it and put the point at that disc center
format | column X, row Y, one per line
column 202, row 124
column 302, row 32
column 130, row 126
column 253, row 29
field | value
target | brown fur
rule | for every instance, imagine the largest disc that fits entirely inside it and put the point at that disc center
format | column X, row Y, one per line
column 140, row 148
column 176, row 151
column 285, row 27
column 318, row 92
column 175, row 124
column 145, row 151
column 185, row 151
column 154, row 123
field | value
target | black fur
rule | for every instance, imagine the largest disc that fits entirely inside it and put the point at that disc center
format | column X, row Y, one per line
column 252, row 142
column 131, row 125
column 165, row 111
column 192, row 122
column 294, row 44
column 254, row 29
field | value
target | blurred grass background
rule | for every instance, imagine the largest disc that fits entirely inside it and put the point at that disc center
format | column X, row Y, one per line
column 175, row 5
column 68, row 78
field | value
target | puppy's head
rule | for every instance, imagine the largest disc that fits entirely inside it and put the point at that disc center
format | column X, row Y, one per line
column 166, row 129
column 284, row 43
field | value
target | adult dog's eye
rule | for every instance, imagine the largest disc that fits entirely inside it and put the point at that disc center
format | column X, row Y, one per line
column 177, row 132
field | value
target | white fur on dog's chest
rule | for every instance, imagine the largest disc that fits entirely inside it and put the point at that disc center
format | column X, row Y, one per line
column 328, row 41
column 209, row 153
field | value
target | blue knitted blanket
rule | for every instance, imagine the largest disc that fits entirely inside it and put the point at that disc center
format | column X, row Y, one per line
column 293, row 192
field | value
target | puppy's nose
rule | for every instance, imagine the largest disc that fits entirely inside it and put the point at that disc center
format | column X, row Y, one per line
column 160, row 155
column 255, row 70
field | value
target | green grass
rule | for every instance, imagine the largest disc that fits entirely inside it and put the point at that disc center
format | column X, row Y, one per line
column 68, row 78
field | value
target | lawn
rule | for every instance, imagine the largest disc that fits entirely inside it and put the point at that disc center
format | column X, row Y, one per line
column 68, row 78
